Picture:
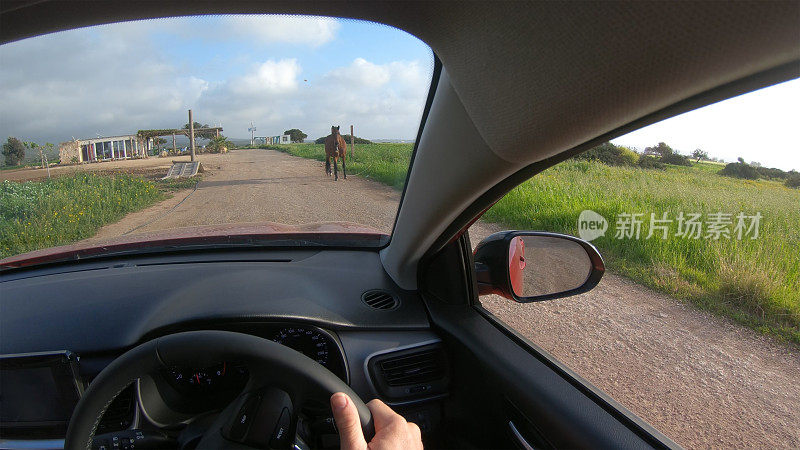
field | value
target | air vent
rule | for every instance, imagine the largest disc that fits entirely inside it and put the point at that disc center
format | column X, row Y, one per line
column 416, row 372
column 379, row 299
column 412, row 369
column 120, row 413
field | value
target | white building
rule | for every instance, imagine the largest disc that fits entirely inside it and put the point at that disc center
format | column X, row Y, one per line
column 101, row 149
column 282, row 139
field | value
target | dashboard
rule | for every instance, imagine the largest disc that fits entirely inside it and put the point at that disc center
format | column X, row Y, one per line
column 99, row 309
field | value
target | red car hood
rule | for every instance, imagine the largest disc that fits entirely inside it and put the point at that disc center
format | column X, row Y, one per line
column 235, row 235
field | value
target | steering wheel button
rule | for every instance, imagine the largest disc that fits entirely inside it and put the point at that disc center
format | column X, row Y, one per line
column 243, row 418
column 280, row 437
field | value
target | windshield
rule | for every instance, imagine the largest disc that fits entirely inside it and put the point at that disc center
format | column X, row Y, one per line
column 284, row 125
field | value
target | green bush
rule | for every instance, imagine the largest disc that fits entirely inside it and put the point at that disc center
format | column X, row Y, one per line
column 649, row 162
column 792, row 180
column 610, row 154
column 739, row 170
column 346, row 137
column 217, row 144
column 676, row 159
column 770, row 173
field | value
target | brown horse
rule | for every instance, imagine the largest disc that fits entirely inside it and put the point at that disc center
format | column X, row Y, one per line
column 335, row 148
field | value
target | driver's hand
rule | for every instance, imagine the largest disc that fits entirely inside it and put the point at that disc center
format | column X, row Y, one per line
column 391, row 429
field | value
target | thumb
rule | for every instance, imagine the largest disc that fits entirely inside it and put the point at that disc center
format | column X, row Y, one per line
column 346, row 416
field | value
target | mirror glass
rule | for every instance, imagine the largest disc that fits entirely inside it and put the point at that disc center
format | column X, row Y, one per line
column 544, row 265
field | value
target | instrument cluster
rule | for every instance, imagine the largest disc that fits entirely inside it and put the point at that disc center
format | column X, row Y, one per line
column 313, row 342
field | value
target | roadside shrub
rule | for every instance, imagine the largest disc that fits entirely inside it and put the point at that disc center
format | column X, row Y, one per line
column 346, row 137
column 739, row 170
column 610, row 154
column 770, row 173
column 793, row 180
column 676, row 159
column 649, row 162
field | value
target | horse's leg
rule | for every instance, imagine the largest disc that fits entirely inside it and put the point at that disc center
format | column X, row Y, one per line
column 327, row 165
column 335, row 170
column 344, row 169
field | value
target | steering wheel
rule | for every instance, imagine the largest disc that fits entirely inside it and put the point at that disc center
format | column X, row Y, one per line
column 263, row 416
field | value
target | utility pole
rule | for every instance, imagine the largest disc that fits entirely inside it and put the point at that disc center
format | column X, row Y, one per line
column 191, row 134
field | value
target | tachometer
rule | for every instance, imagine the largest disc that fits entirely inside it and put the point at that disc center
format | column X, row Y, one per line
column 309, row 342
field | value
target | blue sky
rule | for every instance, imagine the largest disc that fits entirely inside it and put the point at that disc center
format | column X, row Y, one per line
column 310, row 73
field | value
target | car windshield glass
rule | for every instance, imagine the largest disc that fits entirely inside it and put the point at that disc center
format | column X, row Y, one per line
column 303, row 130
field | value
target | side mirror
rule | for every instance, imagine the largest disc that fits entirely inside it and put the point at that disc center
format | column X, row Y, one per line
column 531, row 266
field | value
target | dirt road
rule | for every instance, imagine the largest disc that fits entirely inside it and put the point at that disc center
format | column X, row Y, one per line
column 703, row 381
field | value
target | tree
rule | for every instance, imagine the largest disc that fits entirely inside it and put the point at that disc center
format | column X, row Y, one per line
column 196, row 125
column 296, row 135
column 741, row 160
column 699, row 154
column 219, row 145
column 14, row 151
column 668, row 155
column 200, row 134
column 661, row 149
column 43, row 150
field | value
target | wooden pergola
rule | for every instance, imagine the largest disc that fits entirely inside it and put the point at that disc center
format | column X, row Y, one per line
column 204, row 132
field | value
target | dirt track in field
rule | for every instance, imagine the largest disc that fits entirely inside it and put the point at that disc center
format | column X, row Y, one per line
column 702, row 380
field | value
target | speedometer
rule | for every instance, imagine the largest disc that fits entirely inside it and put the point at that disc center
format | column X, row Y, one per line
column 309, row 342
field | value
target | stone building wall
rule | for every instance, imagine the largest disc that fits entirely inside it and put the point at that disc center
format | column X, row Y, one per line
column 69, row 152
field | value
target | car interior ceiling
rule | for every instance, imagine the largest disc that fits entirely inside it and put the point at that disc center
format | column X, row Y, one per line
column 557, row 99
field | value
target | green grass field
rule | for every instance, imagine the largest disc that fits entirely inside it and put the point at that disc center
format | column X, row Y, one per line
column 386, row 163
column 58, row 211
column 754, row 281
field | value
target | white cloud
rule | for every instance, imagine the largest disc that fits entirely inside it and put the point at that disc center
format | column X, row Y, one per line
column 313, row 31
column 269, row 77
column 82, row 83
column 361, row 73
column 382, row 100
